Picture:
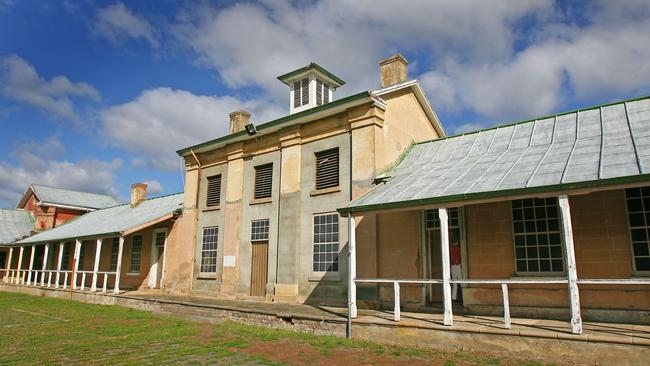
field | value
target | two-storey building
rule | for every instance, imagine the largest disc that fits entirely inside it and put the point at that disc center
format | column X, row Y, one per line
column 261, row 201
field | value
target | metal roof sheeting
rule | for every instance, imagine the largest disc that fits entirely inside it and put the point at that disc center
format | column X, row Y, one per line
column 111, row 220
column 611, row 141
column 66, row 197
column 14, row 225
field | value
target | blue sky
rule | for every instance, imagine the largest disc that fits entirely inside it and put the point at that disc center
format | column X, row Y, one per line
column 96, row 95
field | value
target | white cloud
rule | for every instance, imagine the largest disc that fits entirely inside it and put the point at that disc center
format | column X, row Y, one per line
column 154, row 186
column 41, row 163
column 117, row 23
column 160, row 121
column 20, row 82
column 252, row 44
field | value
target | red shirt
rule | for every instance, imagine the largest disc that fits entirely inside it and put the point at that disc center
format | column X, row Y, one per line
column 454, row 254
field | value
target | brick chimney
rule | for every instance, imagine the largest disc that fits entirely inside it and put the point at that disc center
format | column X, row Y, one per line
column 238, row 120
column 393, row 70
column 138, row 193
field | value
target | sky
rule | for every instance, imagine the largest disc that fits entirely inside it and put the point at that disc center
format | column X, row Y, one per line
column 97, row 95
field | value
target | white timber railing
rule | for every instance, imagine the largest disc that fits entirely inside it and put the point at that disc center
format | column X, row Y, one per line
column 75, row 278
column 571, row 279
column 504, row 288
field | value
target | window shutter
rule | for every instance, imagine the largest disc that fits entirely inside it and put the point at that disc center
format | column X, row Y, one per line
column 326, row 93
column 327, row 168
column 296, row 94
column 319, row 92
column 214, row 191
column 263, row 181
column 305, row 91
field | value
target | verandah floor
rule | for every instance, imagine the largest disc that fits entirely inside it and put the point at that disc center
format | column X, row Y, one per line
column 631, row 334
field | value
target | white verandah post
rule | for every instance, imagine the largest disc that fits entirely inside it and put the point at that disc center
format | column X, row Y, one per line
column 448, row 318
column 118, row 268
column 572, row 275
column 20, row 264
column 352, row 266
column 98, row 252
column 59, row 263
column 11, row 253
column 46, row 254
column 77, row 253
column 31, row 266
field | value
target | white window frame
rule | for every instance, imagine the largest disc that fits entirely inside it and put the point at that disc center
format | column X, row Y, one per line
column 267, row 226
column 131, row 272
column 536, row 233
column 630, row 227
column 338, row 243
column 215, row 250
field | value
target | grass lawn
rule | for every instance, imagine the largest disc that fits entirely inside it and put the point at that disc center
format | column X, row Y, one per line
column 40, row 330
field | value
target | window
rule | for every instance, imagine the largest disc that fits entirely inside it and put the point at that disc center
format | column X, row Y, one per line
column 301, row 92
column 326, row 243
column 538, row 242
column 638, row 211
column 82, row 257
column 3, row 260
column 327, row 169
column 263, row 181
column 115, row 246
column 322, row 93
column 65, row 260
column 160, row 241
column 136, row 253
column 209, row 249
column 433, row 222
column 214, row 191
column 260, row 230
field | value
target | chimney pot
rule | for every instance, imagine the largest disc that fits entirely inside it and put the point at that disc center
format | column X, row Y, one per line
column 238, row 120
column 393, row 70
column 138, row 193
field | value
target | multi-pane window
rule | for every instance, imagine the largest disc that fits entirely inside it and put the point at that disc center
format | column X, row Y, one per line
column 326, row 243
column 82, row 257
column 65, row 259
column 260, row 230
column 209, row 249
column 160, row 241
column 263, row 181
column 327, row 168
column 136, row 254
column 115, row 246
column 638, row 210
column 322, row 92
column 301, row 92
column 538, row 242
column 433, row 221
column 214, row 191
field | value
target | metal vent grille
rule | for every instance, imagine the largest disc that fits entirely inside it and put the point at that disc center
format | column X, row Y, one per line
column 296, row 94
column 214, row 191
column 305, row 91
column 326, row 93
column 327, row 168
column 263, row 180
column 319, row 92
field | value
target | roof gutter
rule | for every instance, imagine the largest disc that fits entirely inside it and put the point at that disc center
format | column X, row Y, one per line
column 460, row 198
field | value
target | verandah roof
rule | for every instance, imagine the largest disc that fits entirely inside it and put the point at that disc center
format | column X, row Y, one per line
column 602, row 145
column 111, row 221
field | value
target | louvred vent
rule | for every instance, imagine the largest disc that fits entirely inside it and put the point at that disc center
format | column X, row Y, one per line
column 327, row 169
column 214, row 191
column 263, row 180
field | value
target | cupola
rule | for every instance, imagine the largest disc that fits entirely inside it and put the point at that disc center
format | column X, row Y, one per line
column 310, row 86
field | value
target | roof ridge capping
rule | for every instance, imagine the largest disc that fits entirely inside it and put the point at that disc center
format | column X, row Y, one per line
column 583, row 109
column 145, row 200
column 70, row 190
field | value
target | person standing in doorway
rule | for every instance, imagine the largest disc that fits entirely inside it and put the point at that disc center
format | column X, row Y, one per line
column 455, row 260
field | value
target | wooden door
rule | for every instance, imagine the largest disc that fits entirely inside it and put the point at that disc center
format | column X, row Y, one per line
column 259, row 267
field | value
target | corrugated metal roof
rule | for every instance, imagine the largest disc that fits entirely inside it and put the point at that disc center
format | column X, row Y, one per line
column 111, row 220
column 592, row 145
column 14, row 225
column 67, row 197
